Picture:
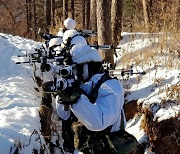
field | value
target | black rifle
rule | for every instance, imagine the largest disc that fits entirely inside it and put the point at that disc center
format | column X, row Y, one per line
column 124, row 72
column 86, row 33
column 105, row 47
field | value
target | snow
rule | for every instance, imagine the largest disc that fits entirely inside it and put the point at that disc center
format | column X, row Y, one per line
column 152, row 88
column 133, row 127
column 20, row 127
column 19, row 102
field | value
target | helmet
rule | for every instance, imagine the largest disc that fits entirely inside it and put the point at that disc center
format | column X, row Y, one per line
column 88, row 61
column 70, row 23
column 79, row 40
column 55, row 42
column 83, row 54
column 72, row 37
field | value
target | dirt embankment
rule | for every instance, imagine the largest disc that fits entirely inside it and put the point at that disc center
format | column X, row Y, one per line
column 164, row 136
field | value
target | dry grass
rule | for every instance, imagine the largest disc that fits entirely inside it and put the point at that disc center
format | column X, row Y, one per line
column 166, row 132
column 163, row 51
column 173, row 92
column 158, row 81
column 164, row 18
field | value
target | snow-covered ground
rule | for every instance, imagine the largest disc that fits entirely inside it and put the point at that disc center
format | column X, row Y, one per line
column 19, row 101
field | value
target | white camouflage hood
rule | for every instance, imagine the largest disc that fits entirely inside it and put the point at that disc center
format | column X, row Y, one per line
column 84, row 53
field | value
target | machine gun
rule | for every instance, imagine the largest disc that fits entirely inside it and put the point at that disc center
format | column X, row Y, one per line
column 46, row 36
column 86, row 33
column 41, row 55
column 123, row 72
column 105, row 47
column 34, row 57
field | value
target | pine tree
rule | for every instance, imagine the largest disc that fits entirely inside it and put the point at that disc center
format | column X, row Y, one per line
column 34, row 19
column 93, row 17
column 65, row 9
column 87, row 13
column 146, row 15
column 72, row 9
column 93, row 20
column 53, row 12
column 48, row 14
column 116, row 19
column 29, row 16
column 103, row 27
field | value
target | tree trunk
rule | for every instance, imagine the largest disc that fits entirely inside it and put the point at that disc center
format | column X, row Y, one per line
column 116, row 18
column 53, row 12
column 145, row 12
column 103, row 27
column 34, row 20
column 72, row 9
column 93, row 20
column 48, row 14
column 83, row 13
column 65, row 9
column 87, row 13
column 29, row 17
column 93, row 17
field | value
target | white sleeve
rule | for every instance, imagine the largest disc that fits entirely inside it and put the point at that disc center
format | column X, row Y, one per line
column 61, row 111
column 105, row 111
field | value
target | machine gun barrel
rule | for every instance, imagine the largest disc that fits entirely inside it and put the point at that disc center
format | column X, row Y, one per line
column 27, row 62
column 46, row 36
column 139, row 73
column 31, row 54
column 22, row 62
column 122, row 72
column 105, row 47
column 86, row 32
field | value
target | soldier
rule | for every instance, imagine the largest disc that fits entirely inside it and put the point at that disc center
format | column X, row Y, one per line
column 92, row 113
column 69, row 24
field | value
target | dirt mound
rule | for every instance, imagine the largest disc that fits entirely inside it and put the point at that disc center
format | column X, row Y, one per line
column 131, row 109
column 164, row 136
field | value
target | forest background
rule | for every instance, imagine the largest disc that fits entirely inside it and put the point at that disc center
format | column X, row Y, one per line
column 151, row 39
column 107, row 17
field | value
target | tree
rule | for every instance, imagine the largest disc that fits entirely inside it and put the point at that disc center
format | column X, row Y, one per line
column 48, row 14
column 103, row 27
column 53, row 12
column 29, row 16
column 34, row 19
column 146, row 15
column 65, row 9
column 87, row 13
column 93, row 17
column 72, row 9
column 93, row 20
column 116, row 19
column 83, row 12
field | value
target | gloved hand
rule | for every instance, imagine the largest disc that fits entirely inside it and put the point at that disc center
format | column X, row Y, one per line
column 45, row 67
column 70, row 95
